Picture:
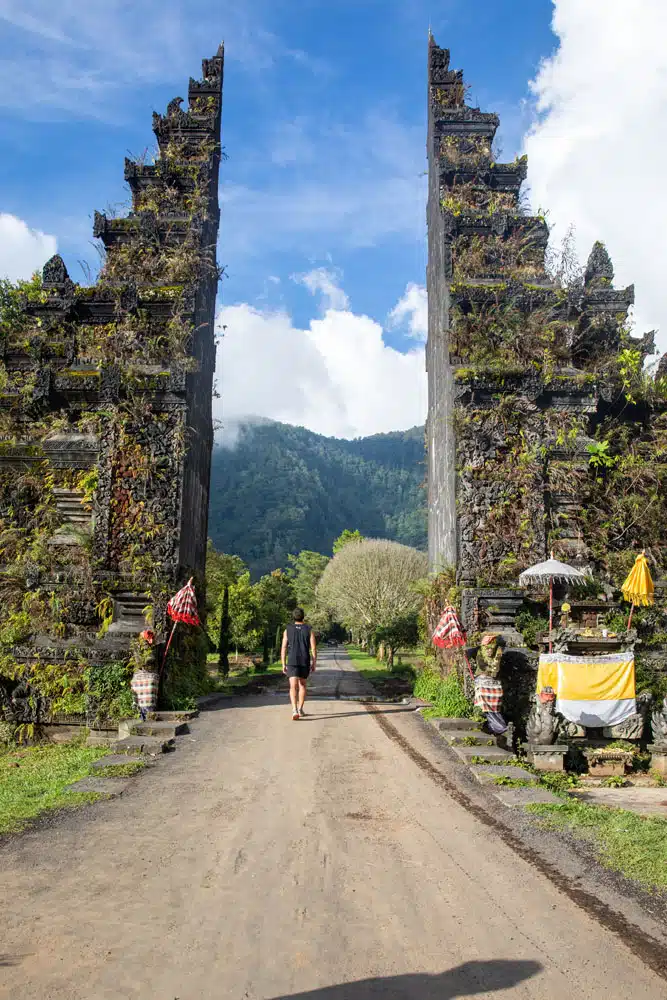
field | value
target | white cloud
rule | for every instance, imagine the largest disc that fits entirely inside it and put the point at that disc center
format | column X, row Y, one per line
column 413, row 309
column 337, row 377
column 597, row 153
column 324, row 282
column 22, row 250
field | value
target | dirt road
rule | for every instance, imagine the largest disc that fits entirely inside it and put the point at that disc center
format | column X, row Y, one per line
column 271, row 859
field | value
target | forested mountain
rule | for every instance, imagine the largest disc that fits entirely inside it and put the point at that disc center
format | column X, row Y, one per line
column 282, row 489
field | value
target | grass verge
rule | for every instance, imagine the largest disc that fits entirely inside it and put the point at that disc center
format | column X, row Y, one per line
column 33, row 779
column 120, row 770
column 391, row 683
column 248, row 681
column 634, row 845
column 445, row 694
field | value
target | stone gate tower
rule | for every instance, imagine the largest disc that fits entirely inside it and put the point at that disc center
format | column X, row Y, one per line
column 522, row 368
column 106, row 430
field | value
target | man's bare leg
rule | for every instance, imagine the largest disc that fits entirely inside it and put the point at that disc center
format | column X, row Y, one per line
column 293, row 693
column 302, row 691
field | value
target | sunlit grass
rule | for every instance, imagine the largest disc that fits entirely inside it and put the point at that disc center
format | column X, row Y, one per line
column 33, row 779
column 631, row 844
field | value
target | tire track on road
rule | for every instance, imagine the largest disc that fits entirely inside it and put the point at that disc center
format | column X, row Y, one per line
column 652, row 952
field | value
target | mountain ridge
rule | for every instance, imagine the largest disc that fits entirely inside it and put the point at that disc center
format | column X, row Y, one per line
column 283, row 488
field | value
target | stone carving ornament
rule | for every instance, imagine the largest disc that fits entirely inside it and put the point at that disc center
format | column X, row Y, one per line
column 542, row 722
column 659, row 723
column 632, row 728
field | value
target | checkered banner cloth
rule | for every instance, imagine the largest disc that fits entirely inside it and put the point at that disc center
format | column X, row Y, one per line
column 449, row 632
column 144, row 686
column 183, row 606
column 488, row 693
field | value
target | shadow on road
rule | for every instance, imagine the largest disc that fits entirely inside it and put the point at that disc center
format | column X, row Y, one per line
column 465, row 980
column 245, row 700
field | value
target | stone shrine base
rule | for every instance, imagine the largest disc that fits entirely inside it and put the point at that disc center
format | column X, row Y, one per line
column 546, row 757
column 658, row 752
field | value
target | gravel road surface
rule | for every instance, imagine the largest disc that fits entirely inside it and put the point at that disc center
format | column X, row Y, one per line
column 317, row 859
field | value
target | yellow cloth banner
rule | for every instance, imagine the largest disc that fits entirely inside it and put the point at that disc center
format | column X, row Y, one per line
column 591, row 691
column 582, row 678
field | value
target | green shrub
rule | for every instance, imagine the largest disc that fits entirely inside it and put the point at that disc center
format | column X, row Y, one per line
column 530, row 625
column 109, row 693
column 615, row 781
column 444, row 693
column 559, row 781
column 186, row 672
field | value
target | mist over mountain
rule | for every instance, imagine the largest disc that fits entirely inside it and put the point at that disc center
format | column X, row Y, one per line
column 282, row 489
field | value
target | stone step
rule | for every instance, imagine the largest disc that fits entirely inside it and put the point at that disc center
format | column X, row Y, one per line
column 491, row 753
column 518, row 797
column 457, row 737
column 151, row 745
column 183, row 716
column 100, row 786
column 445, row 725
column 101, row 737
column 111, row 760
column 486, row 774
column 168, row 730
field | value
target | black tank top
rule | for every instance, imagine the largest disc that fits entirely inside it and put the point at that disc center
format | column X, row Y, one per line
column 298, row 645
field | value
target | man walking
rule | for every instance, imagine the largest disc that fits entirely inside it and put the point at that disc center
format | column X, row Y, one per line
column 299, row 656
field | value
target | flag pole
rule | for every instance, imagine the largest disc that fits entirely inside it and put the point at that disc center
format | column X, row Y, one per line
column 171, row 636
column 551, row 608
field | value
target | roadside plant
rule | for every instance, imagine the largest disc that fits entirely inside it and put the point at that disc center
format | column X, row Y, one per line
column 614, row 781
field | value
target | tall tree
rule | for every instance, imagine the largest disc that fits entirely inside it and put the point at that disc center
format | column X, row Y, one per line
column 402, row 633
column 305, row 571
column 223, row 645
column 222, row 570
column 371, row 585
column 275, row 600
column 245, row 632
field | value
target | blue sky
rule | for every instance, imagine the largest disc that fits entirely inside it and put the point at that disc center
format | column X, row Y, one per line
column 324, row 120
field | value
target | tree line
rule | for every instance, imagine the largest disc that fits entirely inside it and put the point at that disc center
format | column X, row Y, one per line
column 367, row 589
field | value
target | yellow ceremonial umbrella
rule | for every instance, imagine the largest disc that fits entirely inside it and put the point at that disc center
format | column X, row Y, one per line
column 638, row 588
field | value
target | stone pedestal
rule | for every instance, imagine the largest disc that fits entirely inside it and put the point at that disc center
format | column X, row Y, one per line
column 546, row 757
column 608, row 765
column 658, row 753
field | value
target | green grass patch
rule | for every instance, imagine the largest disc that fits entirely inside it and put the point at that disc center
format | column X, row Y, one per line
column 506, row 782
column 119, row 770
column 634, row 845
column 362, row 660
column 515, row 762
column 396, row 680
column 238, row 680
column 33, row 779
column 558, row 782
column 445, row 694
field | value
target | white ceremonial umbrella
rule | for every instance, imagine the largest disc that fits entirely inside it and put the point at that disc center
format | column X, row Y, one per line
column 548, row 572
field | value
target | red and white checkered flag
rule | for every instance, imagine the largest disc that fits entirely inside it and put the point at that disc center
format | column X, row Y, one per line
column 183, row 606
column 449, row 632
